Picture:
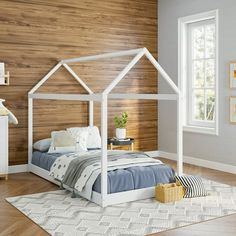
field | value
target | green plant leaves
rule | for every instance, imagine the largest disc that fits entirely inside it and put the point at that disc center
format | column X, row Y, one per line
column 120, row 122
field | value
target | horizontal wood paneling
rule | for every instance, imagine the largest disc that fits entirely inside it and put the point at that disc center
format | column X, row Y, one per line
column 36, row 34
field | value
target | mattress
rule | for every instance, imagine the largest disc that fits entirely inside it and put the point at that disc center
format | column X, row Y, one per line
column 44, row 159
column 121, row 179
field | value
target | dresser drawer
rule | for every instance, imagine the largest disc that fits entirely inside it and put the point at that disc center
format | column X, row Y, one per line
column 3, row 153
column 3, row 163
column 3, row 132
column 3, row 145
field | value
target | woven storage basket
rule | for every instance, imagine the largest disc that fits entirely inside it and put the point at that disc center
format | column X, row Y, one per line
column 169, row 192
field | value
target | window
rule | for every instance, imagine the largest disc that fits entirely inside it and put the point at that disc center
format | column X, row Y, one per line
column 198, row 71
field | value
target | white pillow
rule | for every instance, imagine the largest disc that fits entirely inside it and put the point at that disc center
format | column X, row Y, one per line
column 61, row 149
column 94, row 139
column 81, row 142
column 43, row 145
column 63, row 142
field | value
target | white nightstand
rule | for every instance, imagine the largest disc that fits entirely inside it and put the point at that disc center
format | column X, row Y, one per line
column 4, row 146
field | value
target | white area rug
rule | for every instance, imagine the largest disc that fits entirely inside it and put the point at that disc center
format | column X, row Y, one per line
column 59, row 214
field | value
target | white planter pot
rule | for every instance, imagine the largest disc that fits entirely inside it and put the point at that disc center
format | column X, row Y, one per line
column 120, row 133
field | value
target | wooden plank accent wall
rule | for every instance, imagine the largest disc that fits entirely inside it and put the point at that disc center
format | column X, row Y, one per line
column 36, row 34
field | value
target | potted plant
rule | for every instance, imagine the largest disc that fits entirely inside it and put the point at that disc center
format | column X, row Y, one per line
column 120, row 124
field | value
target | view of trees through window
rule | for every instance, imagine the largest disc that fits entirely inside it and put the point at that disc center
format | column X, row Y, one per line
column 202, row 66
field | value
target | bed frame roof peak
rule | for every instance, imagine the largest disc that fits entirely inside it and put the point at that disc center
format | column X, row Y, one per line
column 138, row 54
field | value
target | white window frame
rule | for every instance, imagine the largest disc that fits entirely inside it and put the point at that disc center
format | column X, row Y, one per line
column 190, row 111
column 183, row 24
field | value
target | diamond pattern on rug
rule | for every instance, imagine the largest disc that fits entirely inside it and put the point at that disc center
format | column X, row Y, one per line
column 60, row 215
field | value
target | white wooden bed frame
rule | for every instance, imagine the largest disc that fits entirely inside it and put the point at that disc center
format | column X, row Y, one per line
column 105, row 199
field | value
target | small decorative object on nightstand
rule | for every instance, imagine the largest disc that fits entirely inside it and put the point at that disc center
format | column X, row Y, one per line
column 120, row 124
column 121, row 142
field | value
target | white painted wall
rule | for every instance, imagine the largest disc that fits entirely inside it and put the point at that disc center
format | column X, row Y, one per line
column 220, row 148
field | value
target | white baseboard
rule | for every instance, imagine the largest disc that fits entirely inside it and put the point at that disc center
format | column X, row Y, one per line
column 199, row 162
column 152, row 153
column 17, row 169
column 171, row 156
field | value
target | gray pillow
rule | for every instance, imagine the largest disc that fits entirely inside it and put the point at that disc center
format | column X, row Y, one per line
column 43, row 145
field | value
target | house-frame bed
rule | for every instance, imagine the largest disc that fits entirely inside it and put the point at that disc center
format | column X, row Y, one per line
column 104, row 198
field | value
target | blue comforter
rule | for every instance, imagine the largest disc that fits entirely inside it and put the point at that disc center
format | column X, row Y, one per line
column 121, row 179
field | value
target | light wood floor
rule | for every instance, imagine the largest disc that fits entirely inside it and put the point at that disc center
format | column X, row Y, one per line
column 13, row 222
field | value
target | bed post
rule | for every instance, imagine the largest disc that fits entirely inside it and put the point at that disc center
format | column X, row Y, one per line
column 91, row 103
column 180, row 135
column 104, row 150
column 30, row 130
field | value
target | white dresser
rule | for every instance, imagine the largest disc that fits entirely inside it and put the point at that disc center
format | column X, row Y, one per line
column 4, row 146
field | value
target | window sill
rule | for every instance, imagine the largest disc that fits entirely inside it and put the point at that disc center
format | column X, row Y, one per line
column 200, row 130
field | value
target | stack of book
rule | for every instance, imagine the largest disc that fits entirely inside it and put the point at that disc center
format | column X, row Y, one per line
column 123, row 139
